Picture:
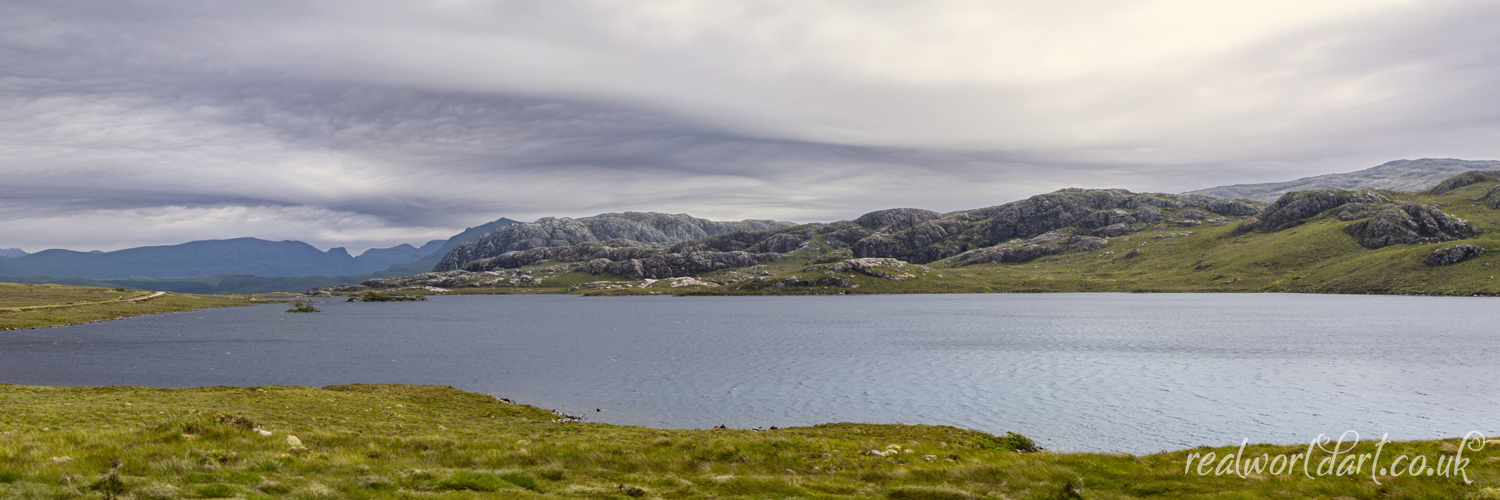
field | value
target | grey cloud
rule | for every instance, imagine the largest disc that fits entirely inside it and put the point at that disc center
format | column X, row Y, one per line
column 395, row 122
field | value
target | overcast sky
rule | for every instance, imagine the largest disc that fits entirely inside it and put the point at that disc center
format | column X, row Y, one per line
column 369, row 123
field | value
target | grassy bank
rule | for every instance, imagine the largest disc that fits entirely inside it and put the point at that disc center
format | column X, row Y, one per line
column 35, row 306
column 437, row 442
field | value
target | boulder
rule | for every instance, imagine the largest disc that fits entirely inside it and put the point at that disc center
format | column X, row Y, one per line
column 1453, row 255
column 1114, row 230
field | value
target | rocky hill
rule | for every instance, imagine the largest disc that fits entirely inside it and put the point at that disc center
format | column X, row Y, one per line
column 1399, row 175
column 1324, row 240
column 642, row 227
column 1079, row 216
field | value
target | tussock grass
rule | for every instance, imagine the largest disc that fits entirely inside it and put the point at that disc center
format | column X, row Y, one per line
column 385, row 441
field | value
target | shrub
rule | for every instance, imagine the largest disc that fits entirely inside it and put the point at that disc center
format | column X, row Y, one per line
column 1016, row 442
column 303, row 307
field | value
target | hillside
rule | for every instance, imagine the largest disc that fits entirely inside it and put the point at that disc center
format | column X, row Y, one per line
column 644, row 227
column 1399, row 175
column 1319, row 241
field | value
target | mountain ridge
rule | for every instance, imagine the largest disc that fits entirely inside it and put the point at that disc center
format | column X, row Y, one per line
column 1398, row 175
column 231, row 260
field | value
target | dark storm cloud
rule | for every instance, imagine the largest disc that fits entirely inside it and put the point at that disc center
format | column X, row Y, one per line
column 370, row 123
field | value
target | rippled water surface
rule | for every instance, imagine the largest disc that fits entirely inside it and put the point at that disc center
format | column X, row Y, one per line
column 1078, row 372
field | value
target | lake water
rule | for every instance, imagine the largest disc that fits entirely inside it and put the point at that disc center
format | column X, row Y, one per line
column 1077, row 372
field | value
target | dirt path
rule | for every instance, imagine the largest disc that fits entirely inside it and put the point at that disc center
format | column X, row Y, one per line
column 58, row 306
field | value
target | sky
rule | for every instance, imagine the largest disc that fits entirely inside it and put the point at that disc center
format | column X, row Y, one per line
column 372, row 123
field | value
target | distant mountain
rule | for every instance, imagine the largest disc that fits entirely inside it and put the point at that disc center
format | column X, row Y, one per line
column 12, row 252
column 1399, row 175
column 643, row 227
column 209, row 257
column 242, row 265
column 431, row 258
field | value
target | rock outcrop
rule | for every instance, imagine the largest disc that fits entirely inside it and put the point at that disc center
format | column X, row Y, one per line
column 1491, row 198
column 1294, row 208
column 1453, row 255
column 645, row 227
column 1231, row 208
column 1465, row 179
column 896, row 219
column 1040, row 246
column 1102, row 212
column 1407, row 223
column 630, row 259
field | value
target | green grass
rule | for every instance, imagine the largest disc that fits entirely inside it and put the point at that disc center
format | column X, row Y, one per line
column 34, row 306
column 369, row 441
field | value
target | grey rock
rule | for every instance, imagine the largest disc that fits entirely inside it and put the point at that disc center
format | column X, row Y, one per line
column 1149, row 215
column 1407, row 223
column 1105, row 218
column 1192, row 214
column 1453, row 255
column 1114, row 230
column 869, row 266
column 1231, row 208
column 1355, row 211
column 896, row 219
column 1040, row 246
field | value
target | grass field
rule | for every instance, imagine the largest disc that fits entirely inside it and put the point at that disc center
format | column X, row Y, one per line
column 438, row 442
column 34, row 306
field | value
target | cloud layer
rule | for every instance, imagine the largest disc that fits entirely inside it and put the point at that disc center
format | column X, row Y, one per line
column 372, row 123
